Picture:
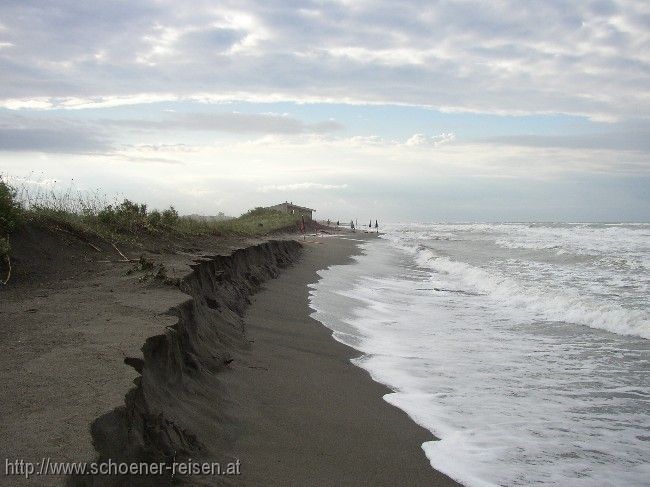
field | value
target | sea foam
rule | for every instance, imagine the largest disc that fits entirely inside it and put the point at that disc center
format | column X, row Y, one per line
column 532, row 367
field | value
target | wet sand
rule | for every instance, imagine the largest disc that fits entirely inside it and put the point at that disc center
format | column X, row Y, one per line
column 307, row 415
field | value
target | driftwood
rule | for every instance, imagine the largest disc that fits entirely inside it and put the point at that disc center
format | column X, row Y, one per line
column 78, row 235
column 124, row 257
column 117, row 261
column 8, row 259
column 94, row 247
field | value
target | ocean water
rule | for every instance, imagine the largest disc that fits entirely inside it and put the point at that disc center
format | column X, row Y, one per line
column 524, row 347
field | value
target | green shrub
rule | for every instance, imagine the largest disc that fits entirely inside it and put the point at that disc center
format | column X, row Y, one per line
column 5, row 248
column 127, row 216
column 141, row 265
column 154, row 218
column 9, row 209
column 129, row 208
column 107, row 216
column 259, row 221
column 90, row 214
column 258, row 211
column 170, row 216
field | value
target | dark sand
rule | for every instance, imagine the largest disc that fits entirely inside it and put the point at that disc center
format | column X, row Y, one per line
column 68, row 318
column 293, row 409
column 308, row 416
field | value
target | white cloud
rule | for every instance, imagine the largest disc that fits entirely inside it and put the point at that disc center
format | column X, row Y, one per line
column 309, row 161
column 369, row 172
column 435, row 141
column 586, row 58
column 38, row 103
column 300, row 187
column 231, row 122
column 389, row 57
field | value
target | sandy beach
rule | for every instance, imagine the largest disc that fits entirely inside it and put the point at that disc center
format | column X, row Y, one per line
column 215, row 379
column 309, row 416
column 325, row 243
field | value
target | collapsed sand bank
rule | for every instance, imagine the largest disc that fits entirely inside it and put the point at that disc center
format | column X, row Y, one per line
column 216, row 380
column 176, row 410
column 71, row 316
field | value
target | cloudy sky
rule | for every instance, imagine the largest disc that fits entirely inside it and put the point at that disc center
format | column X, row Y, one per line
column 441, row 110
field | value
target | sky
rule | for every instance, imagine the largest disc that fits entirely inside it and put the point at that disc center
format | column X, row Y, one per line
column 463, row 110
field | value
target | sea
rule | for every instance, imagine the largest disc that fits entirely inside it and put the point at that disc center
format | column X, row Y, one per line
column 523, row 347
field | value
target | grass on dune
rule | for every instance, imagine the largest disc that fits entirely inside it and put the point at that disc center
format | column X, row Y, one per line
column 10, row 213
column 128, row 220
column 88, row 215
column 257, row 222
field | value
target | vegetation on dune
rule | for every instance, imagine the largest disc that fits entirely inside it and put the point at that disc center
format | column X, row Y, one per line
column 10, row 212
column 89, row 217
column 90, row 214
column 5, row 248
column 128, row 219
column 258, row 221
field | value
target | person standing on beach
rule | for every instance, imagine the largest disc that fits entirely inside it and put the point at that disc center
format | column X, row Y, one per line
column 376, row 225
column 352, row 225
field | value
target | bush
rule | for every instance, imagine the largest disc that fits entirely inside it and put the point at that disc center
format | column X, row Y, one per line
column 259, row 211
column 9, row 209
column 154, row 218
column 258, row 221
column 170, row 216
column 127, row 216
column 5, row 248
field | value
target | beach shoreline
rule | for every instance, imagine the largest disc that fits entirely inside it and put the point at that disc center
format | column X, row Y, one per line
column 278, row 394
column 308, row 415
